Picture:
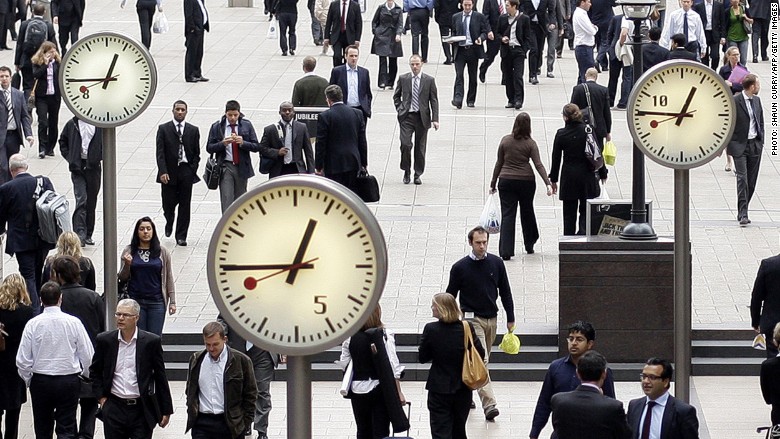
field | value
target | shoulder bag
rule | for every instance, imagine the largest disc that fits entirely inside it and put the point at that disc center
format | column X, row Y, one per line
column 475, row 373
column 31, row 99
column 213, row 172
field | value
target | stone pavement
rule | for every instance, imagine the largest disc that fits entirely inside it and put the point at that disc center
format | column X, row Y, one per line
column 425, row 225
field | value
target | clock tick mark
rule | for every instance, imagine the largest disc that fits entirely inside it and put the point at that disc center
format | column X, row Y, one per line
column 260, row 206
column 295, row 198
column 355, row 299
column 354, row 232
column 262, row 324
column 330, row 324
column 234, row 230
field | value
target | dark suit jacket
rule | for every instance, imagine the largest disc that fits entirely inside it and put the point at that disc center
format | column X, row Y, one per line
column 601, row 115
column 87, row 306
column 601, row 12
column 168, row 151
column 271, row 143
column 338, row 76
column 309, row 91
column 770, row 381
column 765, row 299
column 69, row 12
column 587, row 414
column 492, row 13
column 652, row 54
column 17, row 208
column 443, row 10
column 341, row 140
column 428, row 98
column 613, row 35
column 681, row 53
column 21, row 116
column 545, row 13
column 245, row 130
column 718, row 20
column 760, row 9
column 193, row 17
column 739, row 139
column 522, row 32
column 442, row 344
column 577, row 179
column 679, row 420
column 478, row 28
column 149, row 367
column 70, row 146
column 20, row 57
column 354, row 22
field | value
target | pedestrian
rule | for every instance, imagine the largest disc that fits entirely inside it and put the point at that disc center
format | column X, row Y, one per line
column 761, row 13
column 594, row 98
column 321, row 16
column 736, row 36
column 730, row 62
column 517, row 186
column 481, row 278
column 29, row 43
column 286, row 11
column 765, row 302
column 287, row 144
column 145, row 10
column 600, row 13
column 474, row 27
column 747, row 143
column 442, row 344
column 146, row 268
column 316, row 26
column 515, row 36
column 653, row 53
column 68, row 15
column 68, row 244
column 678, row 50
column 178, row 157
column 419, row 18
column 492, row 10
column 554, row 32
column 387, row 27
column 443, row 10
column 196, row 24
column 769, row 378
column 683, row 21
column 309, row 90
column 711, row 13
column 584, row 38
column 540, row 13
column 46, row 67
column 355, row 82
column 17, row 128
column 343, row 28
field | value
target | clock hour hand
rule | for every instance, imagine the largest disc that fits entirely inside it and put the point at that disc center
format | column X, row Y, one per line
column 250, row 283
column 110, row 71
column 301, row 250
column 685, row 106
column 248, row 267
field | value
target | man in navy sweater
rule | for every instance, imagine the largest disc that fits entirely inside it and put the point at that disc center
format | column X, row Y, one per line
column 480, row 278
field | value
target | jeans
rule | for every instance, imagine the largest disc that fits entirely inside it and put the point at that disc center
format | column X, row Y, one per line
column 152, row 315
column 584, row 56
column 86, row 187
column 626, row 86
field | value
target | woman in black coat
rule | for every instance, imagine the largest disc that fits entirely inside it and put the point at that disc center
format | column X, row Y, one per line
column 449, row 400
column 578, row 181
column 15, row 312
column 45, row 68
column 387, row 26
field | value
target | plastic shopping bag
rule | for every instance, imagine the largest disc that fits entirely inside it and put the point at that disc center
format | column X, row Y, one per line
column 273, row 30
column 603, row 195
column 491, row 215
column 510, row 343
column 759, row 342
column 160, row 25
column 610, row 153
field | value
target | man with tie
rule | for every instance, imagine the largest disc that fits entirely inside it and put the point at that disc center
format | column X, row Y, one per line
column 492, row 10
column 747, row 143
column 514, row 31
column 287, row 145
column 474, row 27
column 16, row 118
column 196, row 22
column 355, row 82
column 659, row 414
column 343, row 28
column 417, row 103
column 713, row 17
column 683, row 21
column 178, row 156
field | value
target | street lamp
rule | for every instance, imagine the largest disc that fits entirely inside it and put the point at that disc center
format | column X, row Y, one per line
column 638, row 229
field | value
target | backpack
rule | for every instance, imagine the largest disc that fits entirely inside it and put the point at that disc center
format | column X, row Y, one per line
column 37, row 32
column 53, row 213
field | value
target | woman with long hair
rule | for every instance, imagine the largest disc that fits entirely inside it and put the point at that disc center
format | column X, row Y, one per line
column 730, row 62
column 146, row 267
column 15, row 312
column 45, row 68
column 517, row 185
column 736, row 35
column 69, row 244
column 387, row 27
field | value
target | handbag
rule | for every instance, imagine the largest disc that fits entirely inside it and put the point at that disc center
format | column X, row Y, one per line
column 745, row 25
column 213, row 172
column 475, row 373
column 121, row 290
column 366, row 186
column 592, row 152
column 31, row 99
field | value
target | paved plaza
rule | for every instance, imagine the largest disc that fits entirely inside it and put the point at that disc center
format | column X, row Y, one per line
column 425, row 226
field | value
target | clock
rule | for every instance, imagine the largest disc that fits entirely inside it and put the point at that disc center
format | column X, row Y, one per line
column 297, row 264
column 107, row 79
column 681, row 114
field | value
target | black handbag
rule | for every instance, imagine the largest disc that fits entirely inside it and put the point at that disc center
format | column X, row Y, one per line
column 366, row 187
column 213, row 172
column 266, row 164
column 16, row 81
column 121, row 290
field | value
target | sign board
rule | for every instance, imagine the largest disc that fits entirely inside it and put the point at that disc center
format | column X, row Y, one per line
column 608, row 217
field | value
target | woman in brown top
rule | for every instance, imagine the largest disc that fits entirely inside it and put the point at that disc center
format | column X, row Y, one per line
column 517, row 185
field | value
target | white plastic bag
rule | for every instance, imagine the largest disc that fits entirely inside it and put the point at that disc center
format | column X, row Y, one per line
column 160, row 25
column 603, row 195
column 273, row 28
column 491, row 215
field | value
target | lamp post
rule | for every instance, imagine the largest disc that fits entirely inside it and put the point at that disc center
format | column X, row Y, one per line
column 638, row 229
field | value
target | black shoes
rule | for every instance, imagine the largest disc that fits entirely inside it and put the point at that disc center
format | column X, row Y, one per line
column 50, row 153
column 482, row 76
column 407, row 177
column 533, row 80
column 181, row 242
column 168, row 230
column 284, row 53
column 755, row 59
column 529, row 250
column 457, row 105
column 292, row 52
column 491, row 414
column 509, row 105
column 470, row 104
column 744, row 221
column 506, row 258
column 448, row 62
column 42, row 155
column 518, row 105
column 89, row 241
column 197, row 79
column 417, row 180
column 550, row 75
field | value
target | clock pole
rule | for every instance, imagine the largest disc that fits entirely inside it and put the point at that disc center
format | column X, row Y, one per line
column 109, row 225
column 682, row 285
column 298, row 397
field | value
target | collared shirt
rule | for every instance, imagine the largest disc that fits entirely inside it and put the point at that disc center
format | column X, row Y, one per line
column 125, row 382
column 708, row 14
column 54, row 343
column 753, row 130
column 229, row 146
column 353, row 100
column 584, row 30
column 695, row 28
column 364, row 386
column 535, row 18
column 288, row 138
column 180, row 132
column 87, row 132
column 513, row 31
column 211, row 382
column 467, row 29
column 8, row 96
column 390, row 6
column 50, row 78
column 658, row 415
column 203, row 11
column 474, row 256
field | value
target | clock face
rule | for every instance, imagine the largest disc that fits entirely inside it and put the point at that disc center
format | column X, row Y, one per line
column 681, row 114
column 297, row 264
column 107, row 79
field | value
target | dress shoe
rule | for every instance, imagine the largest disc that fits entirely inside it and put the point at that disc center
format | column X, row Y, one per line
column 417, row 180
column 472, row 406
column 518, row 105
column 181, row 242
column 481, row 76
column 605, row 68
column 292, row 52
column 558, row 55
column 168, row 230
column 190, row 79
column 529, row 250
column 89, row 241
column 447, row 62
column 491, row 414
column 620, row 107
column 598, row 68
column 755, row 59
column 744, row 221
column 425, row 60
column 50, row 153
column 390, row 87
column 506, row 258
column 550, row 75
column 470, row 104
column 284, row 53
column 457, row 105
column 270, row 17
column 382, row 86
column 509, row 105
column 318, row 42
column 533, row 80
column 42, row 155
column 407, row 177
column 764, row 58
column 83, row 244
column 5, row 48
column 202, row 79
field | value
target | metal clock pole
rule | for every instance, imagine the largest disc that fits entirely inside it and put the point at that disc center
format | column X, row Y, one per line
column 682, row 284
column 109, row 225
column 298, row 397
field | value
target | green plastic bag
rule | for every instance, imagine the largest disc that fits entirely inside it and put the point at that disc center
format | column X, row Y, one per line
column 510, row 343
column 610, row 153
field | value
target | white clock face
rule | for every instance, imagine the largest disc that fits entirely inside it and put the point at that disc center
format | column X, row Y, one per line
column 681, row 114
column 297, row 264
column 107, row 79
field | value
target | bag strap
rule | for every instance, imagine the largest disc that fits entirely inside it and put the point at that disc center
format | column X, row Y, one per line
column 466, row 335
column 38, row 187
column 590, row 107
column 35, row 84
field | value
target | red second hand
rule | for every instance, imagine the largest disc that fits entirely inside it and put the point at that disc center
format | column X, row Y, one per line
column 250, row 283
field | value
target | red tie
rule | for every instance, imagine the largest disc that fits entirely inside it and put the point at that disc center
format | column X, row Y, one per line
column 344, row 15
column 235, row 144
column 648, row 420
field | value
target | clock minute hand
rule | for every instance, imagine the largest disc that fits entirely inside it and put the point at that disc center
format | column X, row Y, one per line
column 110, row 71
column 662, row 113
column 685, row 107
column 301, row 250
column 248, row 267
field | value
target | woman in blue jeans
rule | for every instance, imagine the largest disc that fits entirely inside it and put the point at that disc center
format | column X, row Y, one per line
column 146, row 267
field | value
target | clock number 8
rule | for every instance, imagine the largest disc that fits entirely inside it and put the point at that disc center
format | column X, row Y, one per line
column 660, row 101
column 84, row 92
column 318, row 300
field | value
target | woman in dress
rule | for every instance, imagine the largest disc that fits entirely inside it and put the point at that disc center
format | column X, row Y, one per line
column 441, row 344
column 736, row 36
column 15, row 312
column 387, row 27
column 45, row 68
column 517, row 186
column 146, row 267
column 730, row 62
column 578, row 180
column 69, row 244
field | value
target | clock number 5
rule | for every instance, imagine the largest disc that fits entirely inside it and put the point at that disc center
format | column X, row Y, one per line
column 319, row 300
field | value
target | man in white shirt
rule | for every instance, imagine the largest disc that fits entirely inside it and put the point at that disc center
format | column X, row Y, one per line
column 215, row 410
column 584, row 39
column 55, row 350
column 686, row 22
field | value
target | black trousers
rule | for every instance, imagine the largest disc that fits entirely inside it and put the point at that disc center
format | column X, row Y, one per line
column 412, row 124
column 493, row 47
column 287, row 26
column 371, row 416
column 339, row 49
column 760, row 31
column 4, row 25
column 11, row 146
column 86, row 187
column 512, row 66
column 48, row 109
column 122, row 421
column 467, row 58
column 536, row 52
column 145, row 14
column 746, row 167
column 31, row 267
column 89, row 408
column 419, row 18
column 388, row 70
column 193, row 57
column 570, row 222
column 713, row 51
column 347, row 179
column 54, row 400
column 444, row 31
column 68, row 31
column 514, row 193
column 178, row 194
column 210, row 427
column 615, row 68
column 449, row 413
column 11, row 423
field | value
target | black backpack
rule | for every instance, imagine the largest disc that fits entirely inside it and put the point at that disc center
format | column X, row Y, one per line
column 37, row 32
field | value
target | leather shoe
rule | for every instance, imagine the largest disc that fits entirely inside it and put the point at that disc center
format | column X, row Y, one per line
column 41, row 155
column 472, row 406
column 755, row 59
column 457, row 105
column 529, row 250
column 744, row 221
column 550, row 75
column 50, row 153
column 518, row 106
column 447, row 62
column 407, row 177
column 533, row 80
column 292, row 52
column 470, row 104
column 181, row 242
column 168, row 230
column 89, row 241
column 509, row 105
column 203, row 79
column 482, row 77
column 190, row 79
column 491, row 414
column 506, row 258
column 417, row 180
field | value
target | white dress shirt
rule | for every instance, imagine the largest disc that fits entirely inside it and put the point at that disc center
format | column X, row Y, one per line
column 695, row 28
column 364, row 386
column 125, row 382
column 211, row 382
column 753, row 129
column 181, row 153
column 658, row 415
column 87, row 132
column 54, row 343
column 584, row 30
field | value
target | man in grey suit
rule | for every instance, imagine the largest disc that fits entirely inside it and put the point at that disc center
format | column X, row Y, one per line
column 746, row 143
column 16, row 118
column 417, row 103
column 286, row 144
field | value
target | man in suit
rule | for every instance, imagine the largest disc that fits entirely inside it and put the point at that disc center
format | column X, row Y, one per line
column 18, row 211
column 343, row 28
column 600, row 14
column 713, row 17
column 540, row 13
column 287, row 144
column 341, row 148
column 492, row 10
column 221, row 389
column 355, row 83
column 615, row 63
column 178, row 156
column 419, row 14
column 232, row 138
column 286, row 11
column 24, row 52
column 309, row 91
column 765, row 302
column 770, row 378
column 68, row 15
column 514, row 33
column 660, row 415
column 128, row 378
column 443, row 10
column 417, row 104
column 746, row 143
column 597, row 104
column 678, row 50
column 684, row 22
column 585, row 413
column 196, row 23
column 761, row 13
column 474, row 26
column 16, row 118
column 85, row 172
column 653, row 53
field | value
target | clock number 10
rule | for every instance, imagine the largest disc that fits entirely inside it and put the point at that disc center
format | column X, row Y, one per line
column 320, row 300
column 660, row 101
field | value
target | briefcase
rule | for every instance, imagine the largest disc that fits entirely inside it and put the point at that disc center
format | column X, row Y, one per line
column 213, row 172
column 266, row 164
column 366, row 187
